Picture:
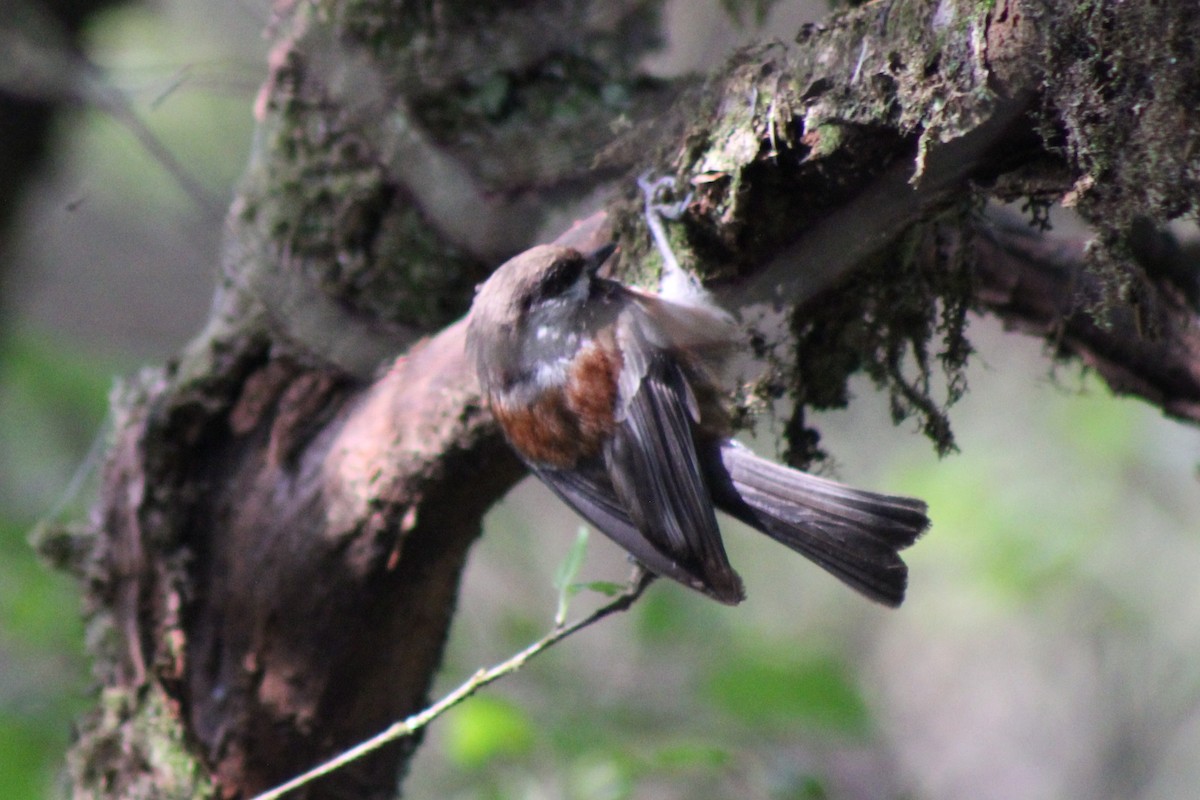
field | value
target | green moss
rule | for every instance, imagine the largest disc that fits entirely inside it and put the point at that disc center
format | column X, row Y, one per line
column 1124, row 109
column 318, row 194
column 865, row 90
column 830, row 137
column 133, row 746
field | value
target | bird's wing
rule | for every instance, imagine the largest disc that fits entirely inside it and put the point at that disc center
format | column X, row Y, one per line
column 653, row 467
column 591, row 494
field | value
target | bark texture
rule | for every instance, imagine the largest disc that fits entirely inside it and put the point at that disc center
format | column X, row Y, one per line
column 273, row 563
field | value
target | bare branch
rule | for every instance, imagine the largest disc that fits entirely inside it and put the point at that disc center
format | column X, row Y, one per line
column 1042, row 285
column 636, row 586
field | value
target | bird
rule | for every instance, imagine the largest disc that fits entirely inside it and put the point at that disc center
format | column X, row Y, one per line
column 611, row 395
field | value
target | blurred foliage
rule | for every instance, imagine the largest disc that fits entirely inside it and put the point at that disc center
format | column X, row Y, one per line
column 190, row 96
column 776, row 690
column 51, row 404
column 1028, row 535
column 726, row 706
column 180, row 82
column 806, row 691
column 485, row 729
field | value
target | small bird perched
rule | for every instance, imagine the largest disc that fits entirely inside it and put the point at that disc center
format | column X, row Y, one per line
column 609, row 394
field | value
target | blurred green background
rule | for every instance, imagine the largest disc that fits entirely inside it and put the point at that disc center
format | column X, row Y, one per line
column 1047, row 648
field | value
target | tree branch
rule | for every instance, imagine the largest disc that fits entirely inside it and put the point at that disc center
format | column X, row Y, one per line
column 1041, row 286
column 278, row 544
column 480, row 679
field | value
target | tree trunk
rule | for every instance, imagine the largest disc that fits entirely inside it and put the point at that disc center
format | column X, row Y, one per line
column 286, row 510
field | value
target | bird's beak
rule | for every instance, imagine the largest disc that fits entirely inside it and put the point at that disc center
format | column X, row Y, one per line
column 595, row 259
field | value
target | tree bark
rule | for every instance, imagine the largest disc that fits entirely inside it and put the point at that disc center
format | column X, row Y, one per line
column 274, row 559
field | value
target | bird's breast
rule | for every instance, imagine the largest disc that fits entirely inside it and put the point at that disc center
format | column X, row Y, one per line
column 569, row 420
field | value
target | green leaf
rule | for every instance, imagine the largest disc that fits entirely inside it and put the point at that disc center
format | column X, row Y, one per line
column 487, row 728
column 606, row 588
column 564, row 577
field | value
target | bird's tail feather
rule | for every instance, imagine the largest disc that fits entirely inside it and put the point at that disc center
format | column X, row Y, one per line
column 853, row 534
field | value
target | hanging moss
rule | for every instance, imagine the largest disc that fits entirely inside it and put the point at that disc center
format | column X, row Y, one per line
column 902, row 321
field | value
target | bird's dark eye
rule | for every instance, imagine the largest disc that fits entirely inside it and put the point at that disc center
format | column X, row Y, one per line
column 561, row 276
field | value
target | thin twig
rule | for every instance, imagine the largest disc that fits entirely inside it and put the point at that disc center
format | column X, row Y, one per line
column 637, row 584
